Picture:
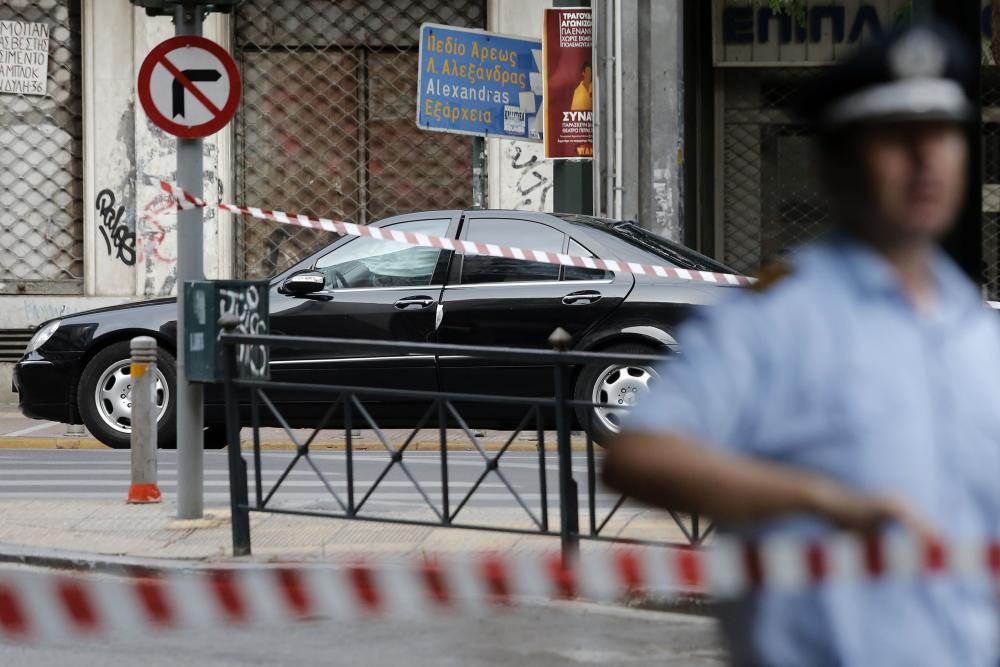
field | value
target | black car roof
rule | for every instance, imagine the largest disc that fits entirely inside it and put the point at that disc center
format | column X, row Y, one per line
column 625, row 230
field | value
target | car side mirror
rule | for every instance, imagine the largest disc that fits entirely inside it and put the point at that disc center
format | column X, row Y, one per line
column 306, row 282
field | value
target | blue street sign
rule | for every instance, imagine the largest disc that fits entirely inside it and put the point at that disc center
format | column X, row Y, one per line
column 481, row 83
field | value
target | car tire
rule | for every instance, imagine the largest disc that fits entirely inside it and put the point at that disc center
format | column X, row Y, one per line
column 611, row 384
column 104, row 396
column 215, row 436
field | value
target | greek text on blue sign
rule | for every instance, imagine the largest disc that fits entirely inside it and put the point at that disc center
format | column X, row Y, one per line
column 480, row 83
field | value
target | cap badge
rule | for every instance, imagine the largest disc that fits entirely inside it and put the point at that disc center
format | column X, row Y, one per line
column 920, row 54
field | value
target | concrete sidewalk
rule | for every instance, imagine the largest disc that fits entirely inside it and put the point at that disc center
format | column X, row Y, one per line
column 112, row 532
column 108, row 529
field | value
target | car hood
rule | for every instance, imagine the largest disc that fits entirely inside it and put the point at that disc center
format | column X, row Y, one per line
column 132, row 310
column 151, row 303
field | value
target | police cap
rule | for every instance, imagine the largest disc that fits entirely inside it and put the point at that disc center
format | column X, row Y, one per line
column 919, row 71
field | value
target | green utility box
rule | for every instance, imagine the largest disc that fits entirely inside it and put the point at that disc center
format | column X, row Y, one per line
column 205, row 301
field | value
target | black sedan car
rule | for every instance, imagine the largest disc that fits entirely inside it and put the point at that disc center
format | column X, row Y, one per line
column 76, row 368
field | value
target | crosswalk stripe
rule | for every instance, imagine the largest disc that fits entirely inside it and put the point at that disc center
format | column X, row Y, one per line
column 286, row 484
column 30, row 429
column 105, row 474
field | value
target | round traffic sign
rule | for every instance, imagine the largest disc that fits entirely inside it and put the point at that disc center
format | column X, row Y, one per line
column 189, row 86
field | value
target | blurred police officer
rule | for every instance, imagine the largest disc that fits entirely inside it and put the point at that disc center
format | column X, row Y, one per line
column 857, row 386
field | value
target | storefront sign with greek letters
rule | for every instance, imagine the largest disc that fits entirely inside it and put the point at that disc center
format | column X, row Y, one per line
column 24, row 58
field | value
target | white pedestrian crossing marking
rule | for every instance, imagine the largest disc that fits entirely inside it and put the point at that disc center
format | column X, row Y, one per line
column 31, row 429
column 97, row 474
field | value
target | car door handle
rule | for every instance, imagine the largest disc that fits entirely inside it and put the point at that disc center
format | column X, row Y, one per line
column 414, row 302
column 583, row 298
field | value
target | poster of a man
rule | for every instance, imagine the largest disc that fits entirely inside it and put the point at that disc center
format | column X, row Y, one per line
column 582, row 97
column 568, row 83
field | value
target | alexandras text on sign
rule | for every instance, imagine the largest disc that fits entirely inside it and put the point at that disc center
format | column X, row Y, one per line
column 480, row 83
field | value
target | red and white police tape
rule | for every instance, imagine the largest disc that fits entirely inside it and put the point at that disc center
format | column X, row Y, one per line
column 53, row 607
column 186, row 200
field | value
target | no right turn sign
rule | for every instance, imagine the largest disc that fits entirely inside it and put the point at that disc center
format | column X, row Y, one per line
column 189, row 86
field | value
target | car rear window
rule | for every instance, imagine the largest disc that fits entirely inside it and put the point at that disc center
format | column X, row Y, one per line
column 649, row 243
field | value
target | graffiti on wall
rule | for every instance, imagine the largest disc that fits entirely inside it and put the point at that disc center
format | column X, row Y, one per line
column 118, row 238
column 153, row 249
column 155, row 231
column 532, row 187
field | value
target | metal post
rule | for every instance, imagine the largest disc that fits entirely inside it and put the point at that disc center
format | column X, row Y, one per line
column 143, row 488
column 239, row 499
column 569, row 511
column 443, row 441
column 591, row 474
column 349, row 450
column 699, row 184
column 255, row 423
column 543, row 470
column 645, row 130
column 190, row 266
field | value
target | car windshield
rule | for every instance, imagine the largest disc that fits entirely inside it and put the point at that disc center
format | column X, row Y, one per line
column 636, row 236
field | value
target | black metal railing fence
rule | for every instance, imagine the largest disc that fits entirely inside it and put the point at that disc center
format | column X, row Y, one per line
column 542, row 415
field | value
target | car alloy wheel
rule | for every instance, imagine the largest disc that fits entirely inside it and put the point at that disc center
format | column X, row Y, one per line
column 616, row 390
column 113, row 396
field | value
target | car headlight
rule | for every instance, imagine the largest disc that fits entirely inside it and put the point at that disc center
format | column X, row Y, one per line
column 42, row 336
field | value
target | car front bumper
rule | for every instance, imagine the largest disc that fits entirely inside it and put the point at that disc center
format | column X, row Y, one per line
column 46, row 390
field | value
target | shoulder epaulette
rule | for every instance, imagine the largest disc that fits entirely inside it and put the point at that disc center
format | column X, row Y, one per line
column 771, row 275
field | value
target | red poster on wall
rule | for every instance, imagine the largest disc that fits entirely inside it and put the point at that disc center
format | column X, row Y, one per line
column 568, row 73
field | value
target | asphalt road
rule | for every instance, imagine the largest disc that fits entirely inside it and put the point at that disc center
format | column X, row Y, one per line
column 89, row 473
column 554, row 635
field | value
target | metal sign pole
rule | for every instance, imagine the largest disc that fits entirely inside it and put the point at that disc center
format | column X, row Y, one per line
column 190, row 266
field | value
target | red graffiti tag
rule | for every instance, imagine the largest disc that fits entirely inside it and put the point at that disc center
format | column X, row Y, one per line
column 155, row 233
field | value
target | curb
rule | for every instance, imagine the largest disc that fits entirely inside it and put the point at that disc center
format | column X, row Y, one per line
column 366, row 445
column 689, row 604
column 50, row 443
column 80, row 561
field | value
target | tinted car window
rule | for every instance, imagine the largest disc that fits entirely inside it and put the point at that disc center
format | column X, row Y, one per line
column 675, row 253
column 519, row 234
column 368, row 262
column 639, row 242
column 575, row 273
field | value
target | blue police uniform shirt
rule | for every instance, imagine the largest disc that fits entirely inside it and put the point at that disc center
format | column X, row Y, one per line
column 834, row 371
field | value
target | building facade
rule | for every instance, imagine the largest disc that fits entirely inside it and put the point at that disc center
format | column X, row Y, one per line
column 325, row 126
column 693, row 135
column 764, row 195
